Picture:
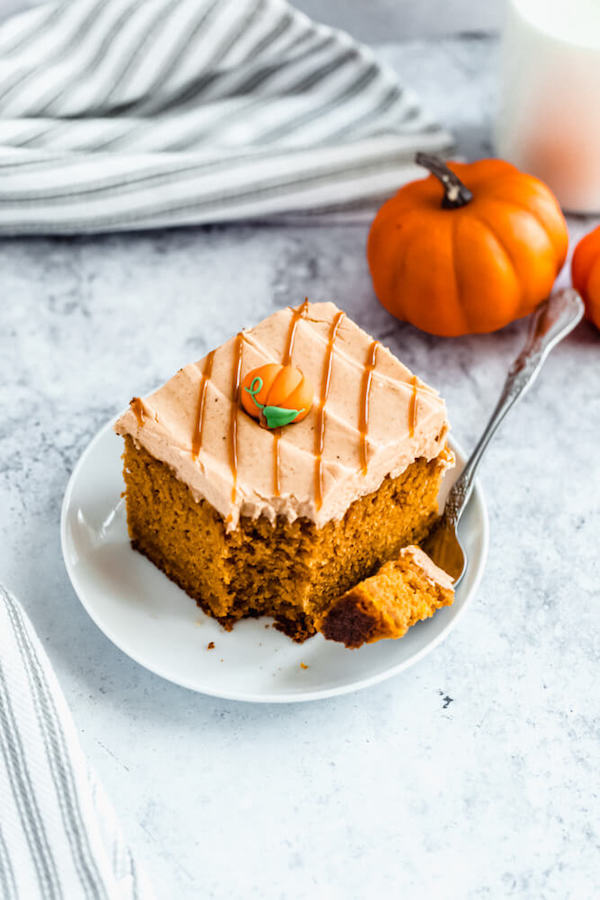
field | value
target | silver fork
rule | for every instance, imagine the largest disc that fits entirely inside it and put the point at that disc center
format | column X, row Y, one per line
column 553, row 320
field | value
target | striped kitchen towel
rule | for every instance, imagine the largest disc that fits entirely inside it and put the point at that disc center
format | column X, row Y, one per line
column 59, row 839
column 123, row 114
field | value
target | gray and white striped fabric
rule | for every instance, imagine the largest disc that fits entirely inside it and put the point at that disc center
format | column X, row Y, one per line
column 59, row 839
column 128, row 114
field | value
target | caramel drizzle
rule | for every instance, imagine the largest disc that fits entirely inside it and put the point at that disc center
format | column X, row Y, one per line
column 364, row 411
column 199, row 424
column 297, row 314
column 138, row 409
column 235, row 402
column 413, row 406
column 320, row 430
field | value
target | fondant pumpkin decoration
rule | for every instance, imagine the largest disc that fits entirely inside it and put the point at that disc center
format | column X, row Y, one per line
column 467, row 249
column 585, row 273
column 277, row 395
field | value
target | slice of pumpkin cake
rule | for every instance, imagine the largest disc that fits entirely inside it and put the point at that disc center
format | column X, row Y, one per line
column 401, row 593
column 284, row 467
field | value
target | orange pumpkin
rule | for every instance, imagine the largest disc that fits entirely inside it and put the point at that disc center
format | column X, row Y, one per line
column 467, row 249
column 276, row 395
column 585, row 273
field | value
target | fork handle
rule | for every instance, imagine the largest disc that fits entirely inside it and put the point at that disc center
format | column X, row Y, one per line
column 553, row 320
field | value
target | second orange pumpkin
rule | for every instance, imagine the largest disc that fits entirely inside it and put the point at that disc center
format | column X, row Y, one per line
column 585, row 272
column 468, row 249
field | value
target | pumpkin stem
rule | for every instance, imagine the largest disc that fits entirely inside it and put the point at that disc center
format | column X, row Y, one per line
column 456, row 194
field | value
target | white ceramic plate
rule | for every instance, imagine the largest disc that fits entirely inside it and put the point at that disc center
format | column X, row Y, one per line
column 160, row 627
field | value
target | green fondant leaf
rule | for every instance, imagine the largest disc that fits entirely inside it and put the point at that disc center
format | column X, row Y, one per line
column 277, row 416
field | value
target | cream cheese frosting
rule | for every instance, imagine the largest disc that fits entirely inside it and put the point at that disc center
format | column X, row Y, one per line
column 424, row 562
column 360, row 430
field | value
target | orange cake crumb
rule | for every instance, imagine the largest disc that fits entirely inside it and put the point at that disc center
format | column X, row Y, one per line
column 400, row 594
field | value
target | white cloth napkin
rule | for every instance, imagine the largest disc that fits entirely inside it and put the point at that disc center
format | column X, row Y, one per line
column 59, row 838
column 121, row 114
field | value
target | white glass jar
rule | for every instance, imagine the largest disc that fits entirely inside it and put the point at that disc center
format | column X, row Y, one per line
column 549, row 117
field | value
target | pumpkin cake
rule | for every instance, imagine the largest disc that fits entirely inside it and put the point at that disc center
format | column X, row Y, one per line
column 252, row 516
column 402, row 592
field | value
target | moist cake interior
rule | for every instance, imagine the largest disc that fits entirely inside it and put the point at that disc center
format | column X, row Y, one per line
column 401, row 593
column 292, row 571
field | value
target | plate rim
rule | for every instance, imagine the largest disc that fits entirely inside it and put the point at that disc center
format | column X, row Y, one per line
column 300, row 697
